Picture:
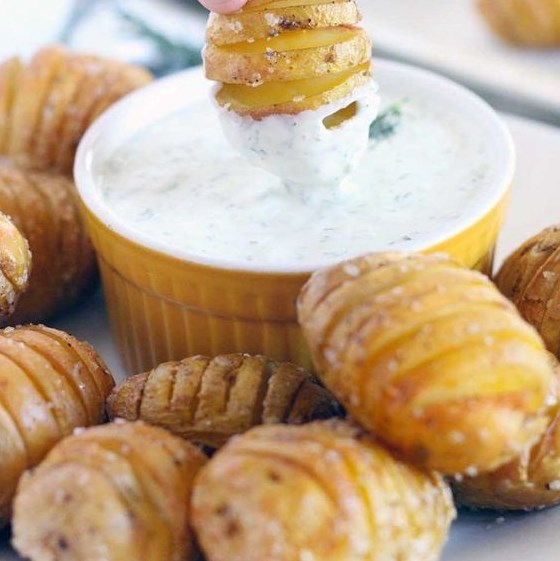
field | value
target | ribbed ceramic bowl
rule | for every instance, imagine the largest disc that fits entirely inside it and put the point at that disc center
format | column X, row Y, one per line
column 165, row 304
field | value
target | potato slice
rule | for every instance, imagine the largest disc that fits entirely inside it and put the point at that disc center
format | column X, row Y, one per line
column 290, row 56
column 10, row 72
column 128, row 484
column 430, row 357
column 247, row 25
column 262, row 5
column 57, row 105
column 35, row 83
column 292, row 97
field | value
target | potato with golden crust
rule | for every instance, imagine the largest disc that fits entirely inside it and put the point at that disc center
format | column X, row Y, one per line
column 47, row 104
column 430, row 357
column 208, row 400
column 323, row 491
column 286, row 57
column 532, row 23
column 530, row 278
column 50, row 384
column 118, row 492
column 45, row 208
column 15, row 265
column 531, row 481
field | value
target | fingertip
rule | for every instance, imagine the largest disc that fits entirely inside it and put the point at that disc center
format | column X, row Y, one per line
column 223, row 6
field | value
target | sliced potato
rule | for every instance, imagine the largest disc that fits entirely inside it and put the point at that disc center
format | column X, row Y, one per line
column 209, row 400
column 290, row 56
column 430, row 357
column 247, row 25
column 117, row 492
column 292, row 97
column 323, row 491
column 261, row 5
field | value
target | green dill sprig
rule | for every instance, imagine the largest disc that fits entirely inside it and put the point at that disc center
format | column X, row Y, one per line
column 172, row 54
column 387, row 122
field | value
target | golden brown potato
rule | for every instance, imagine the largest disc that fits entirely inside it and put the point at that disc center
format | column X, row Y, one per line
column 45, row 209
column 58, row 94
column 225, row 30
column 319, row 491
column 531, row 481
column 285, row 57
column 430, row 357
column 50, row 384
column 533, row 23
column 119, row 492
column 530, row 277
column 15, row 265
column 209, row 400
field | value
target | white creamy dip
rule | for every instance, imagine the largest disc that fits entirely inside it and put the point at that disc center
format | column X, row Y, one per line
column 179, row 182
column 300, row 148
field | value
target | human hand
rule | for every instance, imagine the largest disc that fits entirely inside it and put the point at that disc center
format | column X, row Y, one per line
column 223, row 6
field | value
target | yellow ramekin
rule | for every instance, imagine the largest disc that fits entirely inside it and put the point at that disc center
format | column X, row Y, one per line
column 163, row 306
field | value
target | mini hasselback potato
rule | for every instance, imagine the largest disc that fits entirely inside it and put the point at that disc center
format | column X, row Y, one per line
column 531, row 481
column 322, row 491
column 47, row 104
column 533, row 23
column 118, row 492
column 15, row 265
column 286, row 57
column 50, row 383
column 430, row 357
column 209, row 400
column 44, row 207
column 530, row 278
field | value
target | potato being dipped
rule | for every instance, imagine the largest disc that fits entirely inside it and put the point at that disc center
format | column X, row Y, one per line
column 296, row 90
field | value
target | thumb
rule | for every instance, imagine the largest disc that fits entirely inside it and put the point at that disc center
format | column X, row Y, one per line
column 223, row 6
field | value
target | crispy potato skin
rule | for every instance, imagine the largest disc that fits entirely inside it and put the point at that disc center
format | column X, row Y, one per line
column 47, row 104
column 50, row 383
column 295, row 47
column 324, row 491
column 115, row 493
column 530, row 278
column 15, row 265
column 430, row 357
column 44, row 206
column 208, row 400
column 531, row 481
column 532, row 23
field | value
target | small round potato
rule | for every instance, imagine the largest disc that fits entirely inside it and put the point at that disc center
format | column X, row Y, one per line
column 324, row 491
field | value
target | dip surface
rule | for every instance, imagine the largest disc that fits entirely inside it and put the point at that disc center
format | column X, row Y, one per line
column 181, row 183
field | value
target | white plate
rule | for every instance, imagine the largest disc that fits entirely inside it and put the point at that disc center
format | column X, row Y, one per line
column 451, row 37
column 535, row 204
